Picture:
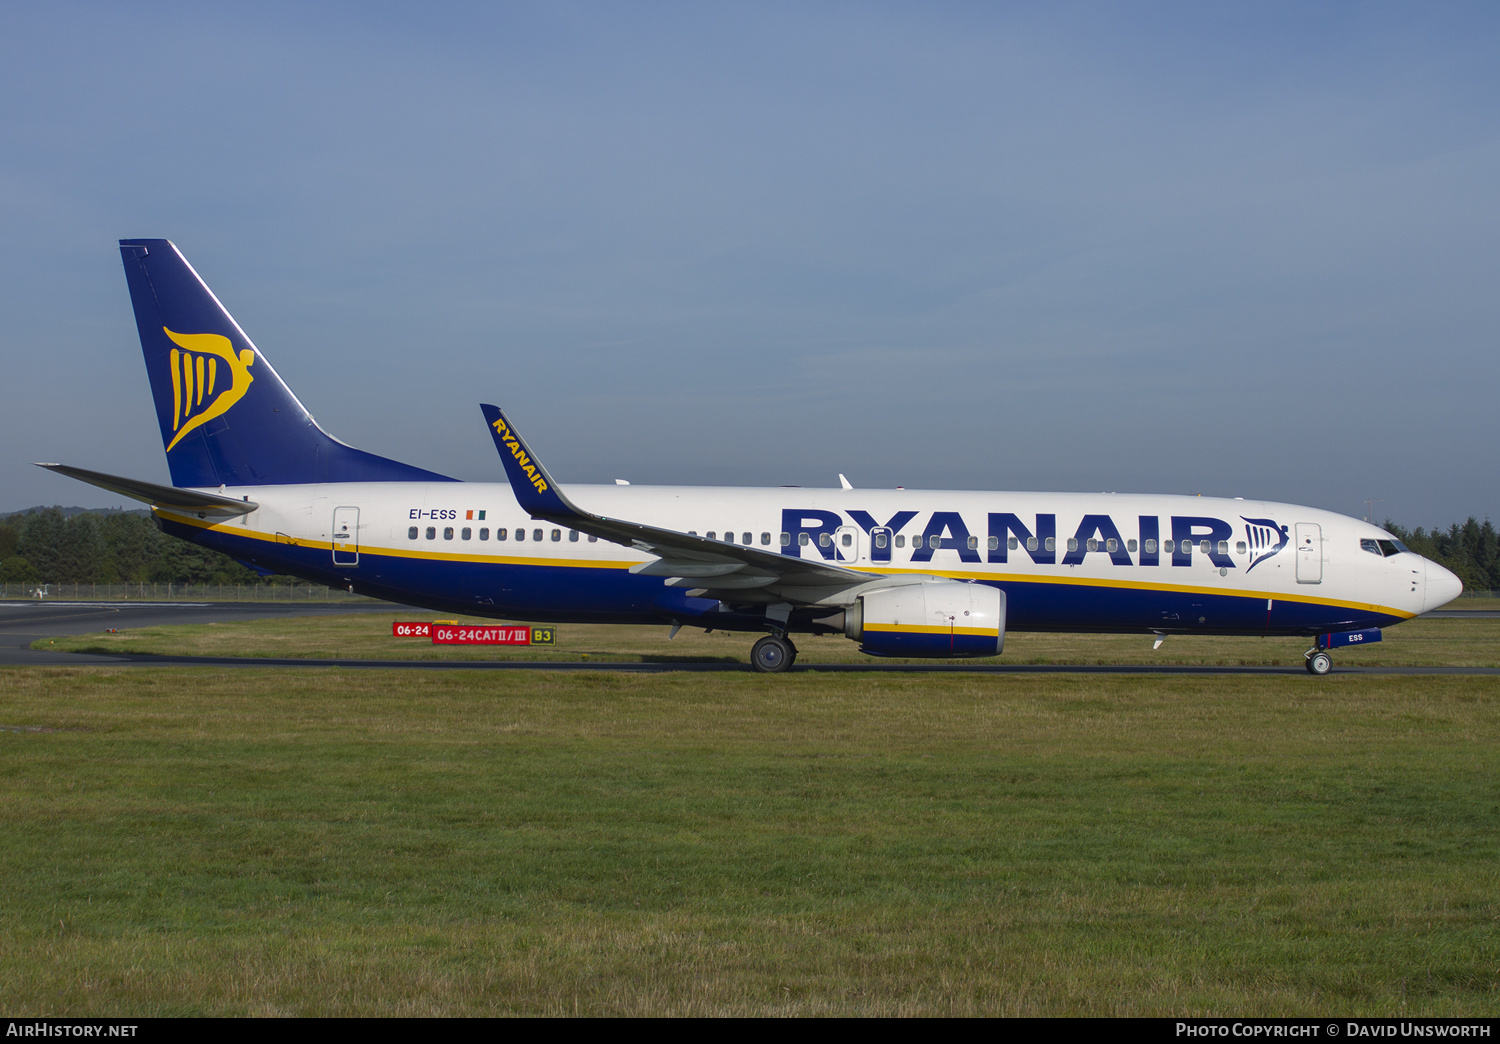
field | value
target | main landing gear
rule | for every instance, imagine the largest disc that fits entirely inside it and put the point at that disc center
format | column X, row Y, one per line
column 1318, row 662
column 773, row 654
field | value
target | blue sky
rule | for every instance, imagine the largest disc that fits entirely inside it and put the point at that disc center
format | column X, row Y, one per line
column 1176, row 248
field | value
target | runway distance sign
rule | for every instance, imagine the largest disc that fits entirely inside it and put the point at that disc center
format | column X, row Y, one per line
column 444, row 634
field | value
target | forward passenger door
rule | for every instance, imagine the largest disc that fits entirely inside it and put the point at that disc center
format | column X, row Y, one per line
column 1309, row 553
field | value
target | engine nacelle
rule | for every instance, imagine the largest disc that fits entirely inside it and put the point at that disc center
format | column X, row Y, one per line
column 933, row 618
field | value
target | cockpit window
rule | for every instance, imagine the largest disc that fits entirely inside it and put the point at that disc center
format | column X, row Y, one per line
column 1391, row 547
column 1370, row 546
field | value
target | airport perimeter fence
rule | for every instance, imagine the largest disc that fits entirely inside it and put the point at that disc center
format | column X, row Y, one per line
column 150, row 592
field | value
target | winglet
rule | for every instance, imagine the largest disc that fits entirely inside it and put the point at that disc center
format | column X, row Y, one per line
column 535, row 491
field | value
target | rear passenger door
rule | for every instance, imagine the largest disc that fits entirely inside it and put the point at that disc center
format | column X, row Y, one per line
column 346, row 536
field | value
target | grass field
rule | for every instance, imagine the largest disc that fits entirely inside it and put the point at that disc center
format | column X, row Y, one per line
column 1439, row 642
column 319, row 841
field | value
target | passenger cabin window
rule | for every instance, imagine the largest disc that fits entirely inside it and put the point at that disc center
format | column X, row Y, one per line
column 411, row 534
column 1205, row 546
column 1168, row 546
column 713, row 535
column 484, row 534
column 1030, row 544
column 556, row 535
column 824, row 540
column 748, row 539
column 1111, row 545
column 593, row 539
column 993, row 543
column 803, row 539
column 431, row 532
column 447, row 532
column 881, row 540
column 501, row 534
column 1130, row 545
column 1223, row 547
column 1051, row 543
column 1092, row 545
column 900, row 540
column 520, row 533
column 848, row 540
column 467, row 533
column 572, row 536
column 1072, row 543
column 765, row 539
column 1239, row 548
column 934, row 542
column 786, row 540
column 973, row 543
column 536, row 534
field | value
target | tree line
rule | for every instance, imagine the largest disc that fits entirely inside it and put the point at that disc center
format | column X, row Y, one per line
column 47, row 545
column 1471, row 550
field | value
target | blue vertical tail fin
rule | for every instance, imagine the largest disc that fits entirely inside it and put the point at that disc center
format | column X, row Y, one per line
column 226, row 417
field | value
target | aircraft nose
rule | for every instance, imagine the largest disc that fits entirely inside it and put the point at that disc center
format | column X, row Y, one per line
column 1441, row 587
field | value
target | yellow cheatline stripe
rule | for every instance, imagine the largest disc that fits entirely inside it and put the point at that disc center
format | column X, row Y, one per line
column 232, row 529
column 980, row 632
column 1143, row 585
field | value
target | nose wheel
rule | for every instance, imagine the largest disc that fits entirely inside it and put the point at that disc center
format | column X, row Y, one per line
column 772, row 655
column 1319, row 662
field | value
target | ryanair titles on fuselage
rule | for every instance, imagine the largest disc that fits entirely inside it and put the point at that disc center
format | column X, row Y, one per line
column 1005, row 533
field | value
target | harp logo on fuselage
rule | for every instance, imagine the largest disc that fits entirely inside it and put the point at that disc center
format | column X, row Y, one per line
column 200, row 392
column 1265, row 538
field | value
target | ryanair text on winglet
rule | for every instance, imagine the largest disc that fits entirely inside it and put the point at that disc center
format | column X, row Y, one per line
column 522, row 459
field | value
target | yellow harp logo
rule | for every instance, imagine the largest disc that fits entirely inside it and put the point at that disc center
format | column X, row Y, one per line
column 195, row 378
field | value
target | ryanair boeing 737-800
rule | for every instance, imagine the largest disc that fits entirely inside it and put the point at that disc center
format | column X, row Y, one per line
column 912, row 573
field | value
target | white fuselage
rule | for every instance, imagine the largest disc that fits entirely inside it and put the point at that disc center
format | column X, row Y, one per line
column 1103, row 561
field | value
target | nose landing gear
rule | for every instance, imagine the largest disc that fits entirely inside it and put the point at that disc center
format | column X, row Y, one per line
column 773, row 654
column 1318, row 662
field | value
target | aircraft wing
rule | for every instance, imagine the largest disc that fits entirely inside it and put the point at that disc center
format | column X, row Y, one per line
column 713, row 567
column 169, row 498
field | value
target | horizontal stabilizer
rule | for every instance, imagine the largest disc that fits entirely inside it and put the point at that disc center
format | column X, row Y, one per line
column 168, row 498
